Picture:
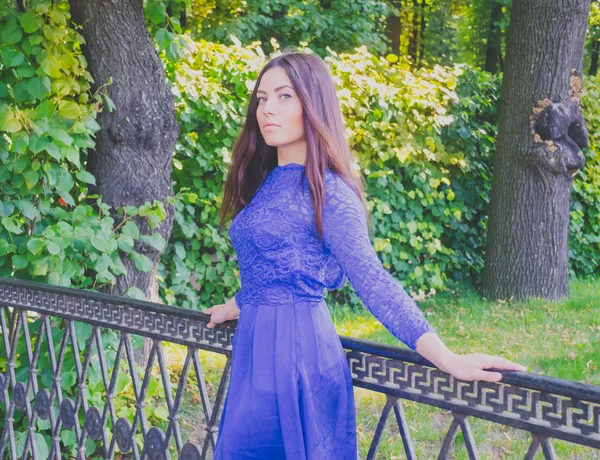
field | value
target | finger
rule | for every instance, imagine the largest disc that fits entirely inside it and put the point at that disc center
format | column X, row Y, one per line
column 211, row 325
column 502, row 363
column 208, row 311
column 486, row 376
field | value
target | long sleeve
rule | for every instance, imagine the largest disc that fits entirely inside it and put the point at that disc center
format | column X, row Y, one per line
column 346, row 236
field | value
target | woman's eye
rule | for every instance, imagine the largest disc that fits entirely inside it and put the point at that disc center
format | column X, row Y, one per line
column 259, row 99
column 288, row 95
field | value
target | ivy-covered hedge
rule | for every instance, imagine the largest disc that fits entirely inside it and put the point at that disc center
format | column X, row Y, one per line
column 51, row 229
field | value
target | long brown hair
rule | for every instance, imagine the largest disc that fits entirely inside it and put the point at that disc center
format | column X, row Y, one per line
column 253, row 160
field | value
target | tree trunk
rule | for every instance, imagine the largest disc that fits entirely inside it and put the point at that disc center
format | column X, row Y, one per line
column 413, row 44
column 540, row 133
column 422, row 34
column 593, row 70
column 492, row 51
column 394, row 27
column 134, row 148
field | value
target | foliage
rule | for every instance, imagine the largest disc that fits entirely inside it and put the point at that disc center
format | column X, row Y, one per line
column 339, row 25
column 584, row 234
column 51, row 229
column 398, row 123
column 424, row 139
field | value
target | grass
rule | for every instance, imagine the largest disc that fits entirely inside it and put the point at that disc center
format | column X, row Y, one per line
column 556, row 339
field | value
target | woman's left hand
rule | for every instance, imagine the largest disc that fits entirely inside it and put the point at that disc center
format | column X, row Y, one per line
column 473, row 366
column 464, row 367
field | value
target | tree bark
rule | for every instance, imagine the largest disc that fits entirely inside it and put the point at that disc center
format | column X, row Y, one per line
column 492, row 49
column 422, row 34
column 394, row 27
column 413, row 44
column 540, row 134
column 593, row 70
column 133, row 154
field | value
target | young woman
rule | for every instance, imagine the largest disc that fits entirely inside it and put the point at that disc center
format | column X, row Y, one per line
column 300, row 227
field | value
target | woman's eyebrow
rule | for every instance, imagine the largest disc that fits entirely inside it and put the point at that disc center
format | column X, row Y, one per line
column 276, row 89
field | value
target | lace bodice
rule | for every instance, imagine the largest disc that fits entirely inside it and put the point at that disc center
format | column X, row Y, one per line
column 282, row 260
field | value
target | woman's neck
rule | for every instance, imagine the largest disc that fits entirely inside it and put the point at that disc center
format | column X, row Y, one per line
column 294, row 153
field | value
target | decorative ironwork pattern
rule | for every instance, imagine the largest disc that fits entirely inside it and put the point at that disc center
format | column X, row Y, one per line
column 148, row 319
column 547, row 408
column 552, row 414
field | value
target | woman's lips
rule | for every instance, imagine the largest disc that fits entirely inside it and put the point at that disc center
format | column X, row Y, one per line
column 270, row 127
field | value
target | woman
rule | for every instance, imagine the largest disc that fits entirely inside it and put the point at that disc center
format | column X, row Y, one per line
column 300, row 227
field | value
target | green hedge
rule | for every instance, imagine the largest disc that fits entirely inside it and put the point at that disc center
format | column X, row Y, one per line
column 425, row 143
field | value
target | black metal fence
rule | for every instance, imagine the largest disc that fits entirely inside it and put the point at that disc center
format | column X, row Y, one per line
column 32, row 366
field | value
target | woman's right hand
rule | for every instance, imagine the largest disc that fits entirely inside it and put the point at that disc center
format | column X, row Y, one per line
column 222, row 312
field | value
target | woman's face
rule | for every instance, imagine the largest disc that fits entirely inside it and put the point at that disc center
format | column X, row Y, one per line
column 279, row 111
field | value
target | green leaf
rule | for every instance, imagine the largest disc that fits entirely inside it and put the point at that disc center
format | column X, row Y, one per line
column 20, row 142
column 163, row 38
column 142, row 262
column 155, row 240
column 12, row 225
column 39, row 87
column 40, row 267
column 130, row 229
column 31, row 22
column 20, row 92
column 11, row 33
column 6, row 208
column 31, row 178
column 51, row 66
column 86, row 177
column 19, row 262
column 12, row 57
column 45, row 109
column 53, row 151
column 91, row 124
column 8, row 120
column 67, row 197
column 100, row 244
column 53, row 248
column 156, row 12
column 26, row 70
column 42, row 445
column 65, row 181
column 28, row 209
column 60, row 136
column 35, row 245
column 69, row 110
column 135, row 293
column 5, row 247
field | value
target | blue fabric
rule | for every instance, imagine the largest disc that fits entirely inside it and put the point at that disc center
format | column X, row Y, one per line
column 290, row 395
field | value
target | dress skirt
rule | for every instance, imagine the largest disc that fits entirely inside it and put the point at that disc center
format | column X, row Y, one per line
column 290, row 395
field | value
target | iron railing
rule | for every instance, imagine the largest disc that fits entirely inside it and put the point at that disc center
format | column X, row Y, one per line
column 545, row 407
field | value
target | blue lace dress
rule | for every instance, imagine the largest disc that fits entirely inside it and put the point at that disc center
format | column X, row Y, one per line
column 290, row 395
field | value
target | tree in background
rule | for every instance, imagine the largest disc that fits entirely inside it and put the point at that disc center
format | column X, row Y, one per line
column 341, row 25
column 132, row 158
column 540, row 134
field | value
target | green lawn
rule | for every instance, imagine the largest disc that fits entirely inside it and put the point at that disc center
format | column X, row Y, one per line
column 556, row 339
column 559, row 340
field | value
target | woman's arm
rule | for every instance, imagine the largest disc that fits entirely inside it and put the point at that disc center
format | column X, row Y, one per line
column 346, row 236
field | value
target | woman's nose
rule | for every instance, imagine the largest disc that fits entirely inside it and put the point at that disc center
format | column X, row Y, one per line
column 267, row 107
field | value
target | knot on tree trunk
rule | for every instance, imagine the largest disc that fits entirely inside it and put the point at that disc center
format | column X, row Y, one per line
column 559, row 134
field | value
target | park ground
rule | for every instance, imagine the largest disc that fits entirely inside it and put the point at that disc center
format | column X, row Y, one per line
column 560, row 339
